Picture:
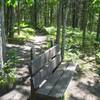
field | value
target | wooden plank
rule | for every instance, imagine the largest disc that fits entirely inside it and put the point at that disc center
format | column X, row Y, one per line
column 60, row 88
column 54, row 51
column 46, row 71
column 41, row 76
column 47, row 57
column 36, row 65
column 41, row 60
column 55, row 62
column 51, row 82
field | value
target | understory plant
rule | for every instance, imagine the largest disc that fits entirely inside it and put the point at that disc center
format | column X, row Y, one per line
column 8, row 71
column 7, row 74
column 98, row 58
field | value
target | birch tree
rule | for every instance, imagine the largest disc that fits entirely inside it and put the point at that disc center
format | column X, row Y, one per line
column 2, row 34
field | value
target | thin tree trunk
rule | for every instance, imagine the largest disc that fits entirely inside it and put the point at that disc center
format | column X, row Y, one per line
column 10, row 21
column 84, row 22
column 35, row 13
column 63, row 32
column 46, row 14
column 18, row 17
column 98, row 29
column 2, row 36
column 58, row 23
column 65, row 11
column 51, row 15
column 75, row 12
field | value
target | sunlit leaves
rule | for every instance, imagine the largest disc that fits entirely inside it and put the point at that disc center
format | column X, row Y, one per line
column 11, row 2
column 96, row 5
column 15, row 2
column 52, row 2
column 29, row 2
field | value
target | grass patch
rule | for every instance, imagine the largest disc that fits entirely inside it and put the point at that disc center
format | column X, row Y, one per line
column 26, row 33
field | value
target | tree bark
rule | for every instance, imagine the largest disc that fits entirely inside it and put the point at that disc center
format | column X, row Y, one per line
column 84, row 22
column 65, row 11
column 2, row 36
column 98, row 29
column 51, row 15
column 75, row 13
column 18, row 17
column 58, row 23
column 35, row 13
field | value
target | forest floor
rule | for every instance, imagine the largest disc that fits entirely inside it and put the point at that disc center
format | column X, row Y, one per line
column 84, row 86
column 22, row 89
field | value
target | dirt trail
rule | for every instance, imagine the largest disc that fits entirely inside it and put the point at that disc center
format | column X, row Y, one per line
column 22, row 88
column 85, row 86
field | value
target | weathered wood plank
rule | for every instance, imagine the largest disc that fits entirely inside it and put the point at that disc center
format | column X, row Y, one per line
column 46, row 71
column 60, row 88
column 51, row 82
column 40, row 61
column 41, row 76
column 55, row 62
column 54, row 51
column 57, row 83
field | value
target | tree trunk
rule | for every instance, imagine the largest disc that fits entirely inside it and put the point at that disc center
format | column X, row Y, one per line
column 10, row 21
column 35, row 13
column 98, row 29
column 63, row 32
column 75, row 12
column 2, row 36
column 84, row 22
column 18, row 17
column 46, row 14
column 51, row 15
column 65, row 11
column 59, row 6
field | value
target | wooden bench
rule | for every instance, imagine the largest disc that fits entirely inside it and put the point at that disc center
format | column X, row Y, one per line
column 49, row 80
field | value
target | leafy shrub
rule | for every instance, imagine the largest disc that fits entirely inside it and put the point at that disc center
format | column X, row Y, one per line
column 98, row 58
column 98, row 70
column 7, row 75
column 50, row 30
column 12, row 56
column 8, row 71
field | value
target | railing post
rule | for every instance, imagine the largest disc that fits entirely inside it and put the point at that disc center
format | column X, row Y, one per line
column 51, row 42
column 32, row 53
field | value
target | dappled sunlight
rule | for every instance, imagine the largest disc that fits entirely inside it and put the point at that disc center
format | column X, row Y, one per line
column 50, row 50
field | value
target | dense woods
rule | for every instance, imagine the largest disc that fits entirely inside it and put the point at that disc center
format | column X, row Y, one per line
column 80, row 14
column 72, row 24
column 44, row 13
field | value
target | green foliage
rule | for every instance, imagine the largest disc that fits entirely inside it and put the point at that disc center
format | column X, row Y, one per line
column 29, row 2
column 52, row 2
column 50, row 30
column 26, row 33
column 7, row 75
column 98, row 70
column 74, row 40
column 98, row 57
column 11, row 2
column 96, row 5
column 12, row 56
column 8, row 71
